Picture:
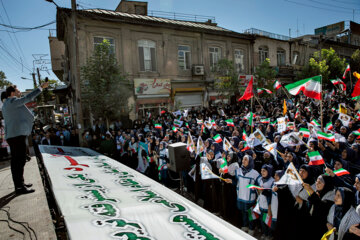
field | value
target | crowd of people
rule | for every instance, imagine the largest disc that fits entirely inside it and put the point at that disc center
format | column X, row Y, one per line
column 247, row 194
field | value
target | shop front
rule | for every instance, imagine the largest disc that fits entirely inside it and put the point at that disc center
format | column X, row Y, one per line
column 188, row 97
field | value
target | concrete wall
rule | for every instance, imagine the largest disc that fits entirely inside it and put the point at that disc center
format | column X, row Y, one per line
column 273, row 45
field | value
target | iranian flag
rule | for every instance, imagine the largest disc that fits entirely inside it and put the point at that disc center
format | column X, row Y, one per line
column 246, row 147
column 162, row 112
column 358, row 115
column 213, row 122
column 329, row 126
column 174, row 129
column 273, row 123
column 217, row 138
column 305, row 132
column 341, row 172
column 311, row 87
column 244, row 137
column 347, row 69
column 315, row 123
column 158, row 126
column 356, row 133
column 326, row 136
column 261, row 90
column 199, row 121
column 315, row 158
column 230, row 122
column 251, row 186
column 339, row 82
column 224, row 166
column 251, row 122
column 187, row 125
column 297, row 114
column 266, row 120
column 252, row 215
column 277, row 85
column 267, row 219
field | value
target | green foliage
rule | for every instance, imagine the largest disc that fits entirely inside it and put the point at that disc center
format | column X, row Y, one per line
column 3, row 82
column 328, row 64
column 355, row 61
column 103, row 87
column 227, row 83
column 265, row 74
column 48, row 94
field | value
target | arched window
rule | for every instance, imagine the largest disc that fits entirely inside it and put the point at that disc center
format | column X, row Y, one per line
column 280, row 57
column 147, row 60
column 263, row 53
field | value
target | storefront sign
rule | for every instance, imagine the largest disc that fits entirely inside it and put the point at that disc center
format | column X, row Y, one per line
column 332, row 29
column 101, row 198
column 146, row 86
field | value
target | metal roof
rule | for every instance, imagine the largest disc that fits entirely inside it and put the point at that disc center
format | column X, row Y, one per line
column 156, row 19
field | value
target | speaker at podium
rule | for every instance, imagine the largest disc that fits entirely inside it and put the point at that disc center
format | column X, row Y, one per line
column 179, row 157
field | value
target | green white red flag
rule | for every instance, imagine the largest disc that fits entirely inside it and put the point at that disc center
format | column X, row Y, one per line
column 261, row 90
column 251, row 121
column 326, row 136
column 329, row 126
column 339, row 82
column 267, row 219
column 224, row 165
column 341, row 172
column 315, row 123
column 230, row 122
column 347, row 69
column 297, row 114
column 266, row 120
column 311, row 87
column 244, row 136
column 277, row 85
column 305, row 132
column 174, row 129
column 315, row 158
column 245, row 147
column 217, row 138
column 252, row 214
column 158, row 126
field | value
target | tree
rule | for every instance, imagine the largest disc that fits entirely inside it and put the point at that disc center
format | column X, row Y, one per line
column 227, row 83
column 355, row 61
column 3, row 82
column 328, row 64
column 264, row 73
column 104, row 89
column 48, row 94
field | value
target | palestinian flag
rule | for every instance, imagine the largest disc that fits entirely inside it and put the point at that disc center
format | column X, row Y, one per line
column 266, row 120
column 158, row 126
column 224, row 166
column 305, row 132
column 297, row 114
column 277, row 85
column 325, row 136
column 329, row 126
column 251, row 186
column 347, row 69
column 217, row 138
column 315, row 158
column 261, row 90
column 174, row 129
column 230, row 122
column 251, row 122
column 315, row 123
column 244, row 137
column 246, row 147
column 341, row 172
column 311, row 87
column 339, row 82
column 252, row 215
column 267, row 219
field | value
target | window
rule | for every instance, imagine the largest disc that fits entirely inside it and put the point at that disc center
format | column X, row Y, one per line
column 296, row 58
column 99, row 40
column 147, row 55
column 263, row 54
column 280, row 57
column 215, row 56
column 239, row 58
column 184, row 56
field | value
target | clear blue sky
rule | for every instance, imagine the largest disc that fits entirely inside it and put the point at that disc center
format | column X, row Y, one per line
column 275, row 16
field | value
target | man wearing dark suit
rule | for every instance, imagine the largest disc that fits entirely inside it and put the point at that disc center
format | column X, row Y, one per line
column 18, row 125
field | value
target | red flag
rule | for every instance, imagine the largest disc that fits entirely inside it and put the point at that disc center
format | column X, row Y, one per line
column 162, row 112
column 248, row 91
column 356, row 91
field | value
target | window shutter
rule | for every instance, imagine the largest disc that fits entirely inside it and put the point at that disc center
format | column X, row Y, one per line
column 141, row 59
column 153, row 59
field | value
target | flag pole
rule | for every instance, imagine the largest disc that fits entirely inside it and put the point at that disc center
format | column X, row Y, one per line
column 350, row 79
column 257, row 99
column 253, row 114
column 321, row 106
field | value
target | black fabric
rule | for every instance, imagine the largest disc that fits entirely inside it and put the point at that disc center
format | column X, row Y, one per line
column 18, row 159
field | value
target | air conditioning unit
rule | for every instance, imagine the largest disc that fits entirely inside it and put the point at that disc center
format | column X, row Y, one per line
column 198, row 70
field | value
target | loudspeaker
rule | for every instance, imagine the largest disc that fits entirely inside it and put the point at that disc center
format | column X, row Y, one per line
column 179, row 157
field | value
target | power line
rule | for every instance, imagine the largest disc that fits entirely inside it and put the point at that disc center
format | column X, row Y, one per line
column 312, row 6
column 350, row 3
column 330, row 5
column 15, row 58
column 28, row 28
column 17, row 41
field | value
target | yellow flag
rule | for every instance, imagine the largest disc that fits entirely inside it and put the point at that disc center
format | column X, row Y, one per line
column 357, row 75
column 342, row 109
column 285, row 108
column 327, row 234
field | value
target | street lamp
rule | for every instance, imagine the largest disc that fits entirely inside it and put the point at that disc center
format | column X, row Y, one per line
column 26, row 78
column 51, row 1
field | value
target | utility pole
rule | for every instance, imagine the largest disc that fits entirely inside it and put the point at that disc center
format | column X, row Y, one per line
column 39, row 80
column 76, row 72
column 34, row 80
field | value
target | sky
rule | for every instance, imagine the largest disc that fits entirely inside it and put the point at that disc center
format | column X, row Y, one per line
column 19, row 48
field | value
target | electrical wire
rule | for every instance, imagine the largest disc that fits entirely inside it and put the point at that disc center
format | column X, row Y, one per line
column 28, row 28
column 15, row 58
column 330, row 5
column 312, row 6
column 350, row 3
